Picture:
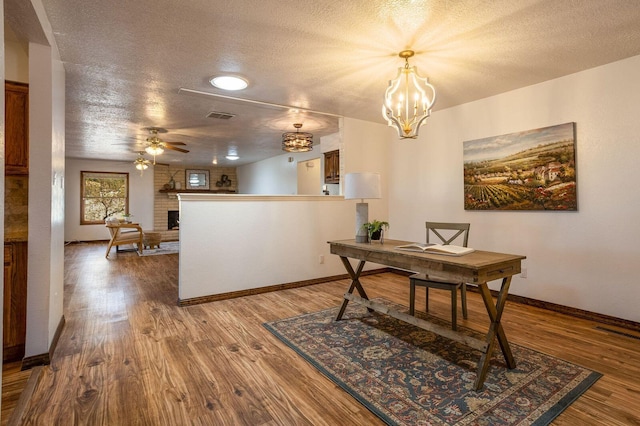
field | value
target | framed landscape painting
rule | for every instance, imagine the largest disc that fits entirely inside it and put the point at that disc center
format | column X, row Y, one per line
column 530, row 170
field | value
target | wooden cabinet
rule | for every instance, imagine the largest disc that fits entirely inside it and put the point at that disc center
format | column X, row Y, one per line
column 332, row 167
column 15, row 301
column 16, row 98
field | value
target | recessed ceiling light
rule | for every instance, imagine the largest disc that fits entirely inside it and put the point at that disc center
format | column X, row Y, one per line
column 229, row 82
column 232, row 157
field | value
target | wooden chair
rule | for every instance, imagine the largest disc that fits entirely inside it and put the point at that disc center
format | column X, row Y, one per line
column 132, row 234
column 461, row 230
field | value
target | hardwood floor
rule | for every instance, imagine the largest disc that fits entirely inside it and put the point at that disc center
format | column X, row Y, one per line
column 129, row 355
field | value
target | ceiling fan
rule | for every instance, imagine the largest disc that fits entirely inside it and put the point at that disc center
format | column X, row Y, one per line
column 156, row 146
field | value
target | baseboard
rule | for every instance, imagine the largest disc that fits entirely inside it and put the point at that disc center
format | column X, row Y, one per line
column 554, row 307
column 268, row 289
column 44, row 359
column 30, row 362
column 574, row 312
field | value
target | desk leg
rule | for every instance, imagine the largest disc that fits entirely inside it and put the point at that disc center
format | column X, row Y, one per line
column 495, row 330
column 355, row 283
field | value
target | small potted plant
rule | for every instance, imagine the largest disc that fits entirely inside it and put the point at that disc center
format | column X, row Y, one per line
column 126, row 217
column 375, row 230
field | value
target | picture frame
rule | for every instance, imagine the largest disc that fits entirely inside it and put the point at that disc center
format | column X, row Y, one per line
column 528, row 170
column 197, row 179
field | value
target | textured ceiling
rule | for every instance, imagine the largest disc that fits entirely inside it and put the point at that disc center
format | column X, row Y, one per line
column 126, row 61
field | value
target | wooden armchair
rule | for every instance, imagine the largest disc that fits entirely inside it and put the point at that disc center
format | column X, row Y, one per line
column 123, row 233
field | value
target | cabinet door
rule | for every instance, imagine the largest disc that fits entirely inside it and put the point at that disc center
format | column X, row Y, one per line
column 8, row 272
column 332, row 167
column 16, row 96
column 15, row 301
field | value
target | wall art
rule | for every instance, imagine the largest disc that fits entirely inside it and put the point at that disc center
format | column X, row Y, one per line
column 529, row 170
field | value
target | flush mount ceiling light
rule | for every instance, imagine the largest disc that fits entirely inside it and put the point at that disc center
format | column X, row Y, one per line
column 297, row 141
column 229, row 82
column 408, row 100
column 232, row 157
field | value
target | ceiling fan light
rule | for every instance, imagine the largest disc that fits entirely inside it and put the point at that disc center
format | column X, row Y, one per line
column 141, row 166
column 229, row 82
column 154, row 150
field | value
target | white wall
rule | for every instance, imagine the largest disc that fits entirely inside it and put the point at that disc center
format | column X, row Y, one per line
column 366, row 148
column 583, row 259
column 278, row 175
column 257, row 241
column 46, row 198
column 275, row 175
column 140, row 197
column 260, row 241
column 16, row 62
column 309, row 177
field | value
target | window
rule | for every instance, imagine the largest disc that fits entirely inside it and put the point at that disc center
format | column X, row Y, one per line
column 104, row 194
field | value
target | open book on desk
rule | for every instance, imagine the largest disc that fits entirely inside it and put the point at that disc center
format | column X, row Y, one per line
column 448, row 250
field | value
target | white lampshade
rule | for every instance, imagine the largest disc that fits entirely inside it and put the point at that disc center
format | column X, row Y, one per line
column 362, row 185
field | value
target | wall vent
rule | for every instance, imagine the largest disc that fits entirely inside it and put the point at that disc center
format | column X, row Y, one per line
column 220, row 115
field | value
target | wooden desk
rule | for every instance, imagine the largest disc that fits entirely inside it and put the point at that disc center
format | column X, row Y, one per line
column 477, row 268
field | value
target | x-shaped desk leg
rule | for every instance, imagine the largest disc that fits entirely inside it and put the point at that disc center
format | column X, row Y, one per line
column 355, row 283
column 495, row 330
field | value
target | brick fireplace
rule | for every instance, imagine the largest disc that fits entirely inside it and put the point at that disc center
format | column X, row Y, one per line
column 166, row 202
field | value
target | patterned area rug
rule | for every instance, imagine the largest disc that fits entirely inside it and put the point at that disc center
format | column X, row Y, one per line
column 168, row 247
column 409, row 376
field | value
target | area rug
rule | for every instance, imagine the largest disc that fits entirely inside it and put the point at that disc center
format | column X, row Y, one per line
column 409, row 376
column 168, row 247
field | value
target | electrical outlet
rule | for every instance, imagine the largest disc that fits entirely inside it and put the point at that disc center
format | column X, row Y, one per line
column 523, row 273
column 321, row 259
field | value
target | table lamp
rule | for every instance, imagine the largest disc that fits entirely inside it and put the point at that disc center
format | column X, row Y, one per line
column 362, row 185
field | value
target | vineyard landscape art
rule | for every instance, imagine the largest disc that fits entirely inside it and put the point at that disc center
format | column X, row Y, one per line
column 530, row 170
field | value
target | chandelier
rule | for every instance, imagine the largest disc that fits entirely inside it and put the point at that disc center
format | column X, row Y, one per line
column 408, row 100
column 297, row 141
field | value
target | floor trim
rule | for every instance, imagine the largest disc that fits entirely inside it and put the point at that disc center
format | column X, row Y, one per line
column 574, row 312
column 45, row 358
column 268, row 289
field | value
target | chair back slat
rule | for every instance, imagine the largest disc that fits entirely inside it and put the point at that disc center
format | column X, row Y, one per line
column 437, row 227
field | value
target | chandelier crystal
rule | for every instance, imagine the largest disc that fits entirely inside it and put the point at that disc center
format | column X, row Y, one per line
column 297, row 141
column 408, row 100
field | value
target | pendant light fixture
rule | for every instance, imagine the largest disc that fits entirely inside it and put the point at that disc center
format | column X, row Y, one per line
column 408, row 99
column 297, row 141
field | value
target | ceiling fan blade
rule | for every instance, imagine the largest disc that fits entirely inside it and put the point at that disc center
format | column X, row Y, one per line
column 162, row 164
column 176, row 149
column 174, row 143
